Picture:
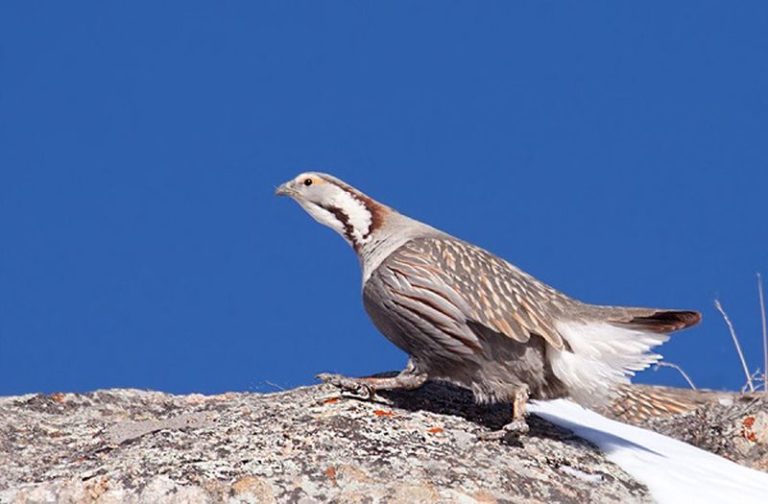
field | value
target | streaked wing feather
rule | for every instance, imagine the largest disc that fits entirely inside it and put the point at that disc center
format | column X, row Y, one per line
column 427, row 304
column 468, row 284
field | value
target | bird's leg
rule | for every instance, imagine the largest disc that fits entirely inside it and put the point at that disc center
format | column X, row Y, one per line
column 408, row 379
column 517, row 426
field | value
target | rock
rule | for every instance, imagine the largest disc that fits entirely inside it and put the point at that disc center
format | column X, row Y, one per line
column 311, row 445
column 303, row 445
column 732, row 425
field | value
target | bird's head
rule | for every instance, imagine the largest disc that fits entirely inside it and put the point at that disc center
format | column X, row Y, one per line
column 337, row 205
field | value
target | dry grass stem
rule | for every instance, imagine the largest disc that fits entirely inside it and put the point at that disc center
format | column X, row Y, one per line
column 719, row 307
column 278, row 387
column 679, row 369
column 757, row 380
column 765, row 331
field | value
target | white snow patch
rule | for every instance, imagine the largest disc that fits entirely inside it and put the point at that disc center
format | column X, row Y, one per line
column 673, row 471
column 583, row 476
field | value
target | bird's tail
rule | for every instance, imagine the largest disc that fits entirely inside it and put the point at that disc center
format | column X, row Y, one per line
column 606, row 345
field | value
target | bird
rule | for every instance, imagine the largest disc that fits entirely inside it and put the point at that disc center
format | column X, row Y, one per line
column 466, row 316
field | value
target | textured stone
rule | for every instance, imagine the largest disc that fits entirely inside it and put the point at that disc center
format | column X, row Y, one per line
column 310, row 445
column 303, row 445
column 732, row 425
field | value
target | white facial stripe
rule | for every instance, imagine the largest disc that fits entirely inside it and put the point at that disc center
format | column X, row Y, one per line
column 343, row 212
column 360, row 218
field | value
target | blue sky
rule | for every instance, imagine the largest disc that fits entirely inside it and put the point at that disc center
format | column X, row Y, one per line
column 616, row 150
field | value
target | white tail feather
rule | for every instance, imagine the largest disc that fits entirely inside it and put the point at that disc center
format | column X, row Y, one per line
column 603, row 357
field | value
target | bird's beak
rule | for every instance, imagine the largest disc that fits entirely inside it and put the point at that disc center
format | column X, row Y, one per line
column 283, row 190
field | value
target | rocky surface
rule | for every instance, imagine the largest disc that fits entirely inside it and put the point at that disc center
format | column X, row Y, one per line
column 734, row 426
column 310, row 445
column 303, row 445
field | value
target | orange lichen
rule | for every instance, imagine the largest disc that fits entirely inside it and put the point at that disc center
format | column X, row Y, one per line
column 747, row 431
column 330, row 472
column 435, row 430
column 383, row 413
column 331, row 400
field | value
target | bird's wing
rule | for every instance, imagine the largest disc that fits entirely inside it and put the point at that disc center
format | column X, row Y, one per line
column 457, row 279
column 422, row 302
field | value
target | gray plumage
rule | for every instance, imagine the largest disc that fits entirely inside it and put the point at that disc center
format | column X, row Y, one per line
column 467, row 316
column 460, row 313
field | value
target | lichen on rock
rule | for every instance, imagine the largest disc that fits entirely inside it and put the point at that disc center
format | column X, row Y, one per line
column 302, row 445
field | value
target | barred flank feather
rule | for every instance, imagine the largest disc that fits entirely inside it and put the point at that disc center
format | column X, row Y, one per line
column 637, row 403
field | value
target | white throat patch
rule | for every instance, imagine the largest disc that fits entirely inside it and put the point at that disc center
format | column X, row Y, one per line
column 358, row 216
column 344, row 212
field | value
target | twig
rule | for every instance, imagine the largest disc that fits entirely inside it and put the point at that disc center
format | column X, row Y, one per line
column 719, row 307
column 765, row 331
column 679, row 369
column 757, row 379
column 278, row 387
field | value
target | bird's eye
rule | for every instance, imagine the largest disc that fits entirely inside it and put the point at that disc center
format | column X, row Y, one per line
column 308, row 182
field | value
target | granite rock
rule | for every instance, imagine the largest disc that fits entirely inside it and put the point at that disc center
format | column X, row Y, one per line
column 302, row 445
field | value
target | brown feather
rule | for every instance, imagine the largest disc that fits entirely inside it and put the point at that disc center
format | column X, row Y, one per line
column 637, row 403
column 663, row 321
column 516, row 315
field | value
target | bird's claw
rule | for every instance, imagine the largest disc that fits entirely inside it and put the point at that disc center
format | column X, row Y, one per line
column 346, row 384
column 513, row 429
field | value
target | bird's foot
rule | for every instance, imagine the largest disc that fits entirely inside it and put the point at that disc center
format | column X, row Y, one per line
column 366, row 388
column 513, row 429
column 360, row 387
